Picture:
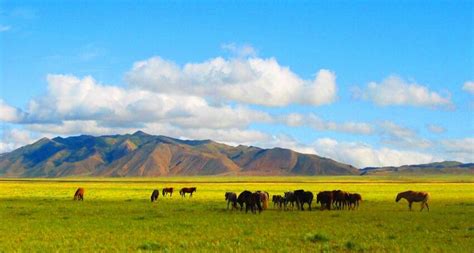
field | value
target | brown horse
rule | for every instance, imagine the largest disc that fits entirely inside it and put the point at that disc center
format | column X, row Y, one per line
column 185, row 190
column 79, row 195
column 167, row 191
column 353, row 200
column 264, row 198
column 154, row 195
column 412, row 196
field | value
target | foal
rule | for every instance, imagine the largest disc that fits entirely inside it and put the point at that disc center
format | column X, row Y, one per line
column 412, row 196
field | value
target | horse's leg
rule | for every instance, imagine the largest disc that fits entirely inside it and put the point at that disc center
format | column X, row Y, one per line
column 409, row 204
column 422, row 206
column 426, row 203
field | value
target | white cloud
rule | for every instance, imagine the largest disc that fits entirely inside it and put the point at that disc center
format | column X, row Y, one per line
column 315, row 122
column 4, row 28
column 9, row 113
column 400, row 136
column 459, row 149
column 363, row 155
column 396, row 91
column 468, row 87
column 250, row 81
column 71, row 99
column 15, row 138
column 436, row 129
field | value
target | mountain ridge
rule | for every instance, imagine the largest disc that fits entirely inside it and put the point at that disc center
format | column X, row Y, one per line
column 142, row 154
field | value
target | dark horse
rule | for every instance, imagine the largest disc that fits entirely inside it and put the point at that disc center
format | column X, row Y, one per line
column 167, row 191
column 340, row 199
column 79, row 195
column 353, row 200
column 154, row 195
column 185, row 190
column 412, row 196
column 231, row 197
column 251, row 200
column 289, row 198
column 303, row 197
column 325, row 198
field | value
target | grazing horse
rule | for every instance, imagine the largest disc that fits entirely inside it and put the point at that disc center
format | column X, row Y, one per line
column 303, row 197
column 339, row 199
column 353, row 200
column 167, row 191
column 325, row 198
column 412, row 196
column 79, row 195
column 231, row 197
column 264, row 198
column 185, row 190
column 278, row 200
column 290, row 198
column 154, row 195
column 251, row 200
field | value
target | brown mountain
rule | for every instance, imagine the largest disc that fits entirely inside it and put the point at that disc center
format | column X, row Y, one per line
column 141, row 154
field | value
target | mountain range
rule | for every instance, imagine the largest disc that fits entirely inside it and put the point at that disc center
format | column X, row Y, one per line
column 141, row 154
column 446, row 167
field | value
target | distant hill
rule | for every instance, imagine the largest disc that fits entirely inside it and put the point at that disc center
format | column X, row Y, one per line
column 446, row 167
column 141, row 154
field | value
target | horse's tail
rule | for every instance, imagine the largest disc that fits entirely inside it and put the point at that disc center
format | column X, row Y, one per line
column 427, row 197
column 265, row 204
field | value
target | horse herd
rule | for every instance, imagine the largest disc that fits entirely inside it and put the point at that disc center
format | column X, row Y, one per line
column 258, row 200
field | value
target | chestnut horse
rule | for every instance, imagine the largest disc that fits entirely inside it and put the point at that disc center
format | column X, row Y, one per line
column 167, row 191
column 412, row 196
column 185, row 190
column 79, row 195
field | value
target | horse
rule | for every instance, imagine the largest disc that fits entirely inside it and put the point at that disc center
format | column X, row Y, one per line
column 412, row 196
column 185, row 190
column 353, row 200
column 339, row 199
column 231, row 197
column 303, row 197
column 264, row 197
column 289, row 198
column 251, row 200
column 79, row 195
column 154, row 195
column 167, row 191
column 278, row 200
column 325, row 198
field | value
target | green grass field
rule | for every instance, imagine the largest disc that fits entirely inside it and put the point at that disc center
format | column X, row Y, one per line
column 117, row 215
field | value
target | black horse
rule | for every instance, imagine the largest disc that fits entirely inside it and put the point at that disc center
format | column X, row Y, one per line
column 251, row 200
column 303, row 197
column 154, row 195
column 231, row 197
column 289, row 198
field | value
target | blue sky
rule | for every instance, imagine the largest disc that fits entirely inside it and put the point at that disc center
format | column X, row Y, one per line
column 367, row 82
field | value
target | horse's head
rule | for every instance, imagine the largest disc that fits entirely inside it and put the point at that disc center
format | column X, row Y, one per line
column 227, row 195
column 398, row 197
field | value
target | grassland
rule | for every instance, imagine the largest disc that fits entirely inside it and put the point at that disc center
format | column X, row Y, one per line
column 39, row 215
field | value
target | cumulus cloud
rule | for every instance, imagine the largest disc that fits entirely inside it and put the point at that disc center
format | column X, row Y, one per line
column 9, row 113
column 250, row 81
column 468, row 87
column 242, row 51
column 396, row 91
column 315, row 122
column 70, row 99
column 363, row 155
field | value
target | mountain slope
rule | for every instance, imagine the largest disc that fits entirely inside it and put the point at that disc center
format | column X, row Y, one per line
column 451, row 167
column 141, row 154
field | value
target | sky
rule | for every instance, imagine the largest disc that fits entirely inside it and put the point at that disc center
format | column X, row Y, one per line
column 369, row 83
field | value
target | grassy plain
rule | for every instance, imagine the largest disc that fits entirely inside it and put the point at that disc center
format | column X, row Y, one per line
column 116, row 215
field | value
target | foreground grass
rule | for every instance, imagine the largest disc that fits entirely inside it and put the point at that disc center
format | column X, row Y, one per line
column 39, row 215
